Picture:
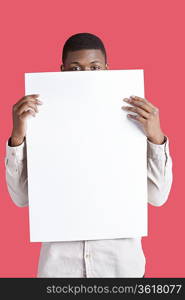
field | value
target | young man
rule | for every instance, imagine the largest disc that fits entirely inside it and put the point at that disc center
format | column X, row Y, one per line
column 91, row 258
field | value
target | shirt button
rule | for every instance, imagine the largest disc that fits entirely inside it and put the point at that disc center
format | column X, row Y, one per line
column 87, row 255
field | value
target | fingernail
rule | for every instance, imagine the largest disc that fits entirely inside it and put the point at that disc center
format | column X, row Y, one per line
column 133, row 96
column 126, row 99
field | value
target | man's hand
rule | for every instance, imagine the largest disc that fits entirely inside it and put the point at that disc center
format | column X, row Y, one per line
column 148, row 116
column 25, row 107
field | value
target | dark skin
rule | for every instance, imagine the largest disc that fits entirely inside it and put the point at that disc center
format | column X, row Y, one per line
column 84, row 60
column 87, row 60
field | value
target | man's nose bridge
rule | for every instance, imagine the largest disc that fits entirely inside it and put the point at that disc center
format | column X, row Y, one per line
column 86, row 68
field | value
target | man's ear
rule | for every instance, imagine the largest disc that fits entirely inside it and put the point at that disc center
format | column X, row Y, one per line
column 62, row 67
column 107, row 66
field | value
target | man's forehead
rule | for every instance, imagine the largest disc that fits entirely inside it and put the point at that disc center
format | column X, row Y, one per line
column 92, row 55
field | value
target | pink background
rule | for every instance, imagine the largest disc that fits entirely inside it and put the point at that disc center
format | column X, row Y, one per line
column 137, row 34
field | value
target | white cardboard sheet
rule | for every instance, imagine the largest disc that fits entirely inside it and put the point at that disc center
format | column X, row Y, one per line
column 86, row 160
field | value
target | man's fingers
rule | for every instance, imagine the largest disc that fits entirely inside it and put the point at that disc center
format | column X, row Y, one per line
column 143, row 100
column 32, row 98
column 138, row 110
column 26, row 106
column 139, row 98
column 26, row 114
column 142, row 103
column 147, row 108
column 137, row 118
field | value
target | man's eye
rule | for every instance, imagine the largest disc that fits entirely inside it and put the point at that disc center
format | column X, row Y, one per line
column 96, row 67
column 75, row 68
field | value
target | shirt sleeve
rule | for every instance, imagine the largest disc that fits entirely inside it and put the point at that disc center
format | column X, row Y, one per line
column 16, row 173
column 159, row 172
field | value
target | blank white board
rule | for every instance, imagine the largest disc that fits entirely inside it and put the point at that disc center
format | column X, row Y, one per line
column 86, row 160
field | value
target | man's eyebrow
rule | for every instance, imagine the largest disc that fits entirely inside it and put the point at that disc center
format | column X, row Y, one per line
column 76, row 62
column 95, row 61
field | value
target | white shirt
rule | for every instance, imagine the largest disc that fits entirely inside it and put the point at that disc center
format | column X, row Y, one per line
column 93, row 258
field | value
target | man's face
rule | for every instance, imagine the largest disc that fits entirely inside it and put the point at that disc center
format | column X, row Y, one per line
column 84, row 60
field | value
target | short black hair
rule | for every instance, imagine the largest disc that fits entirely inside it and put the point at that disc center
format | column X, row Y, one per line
column 81, row 41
